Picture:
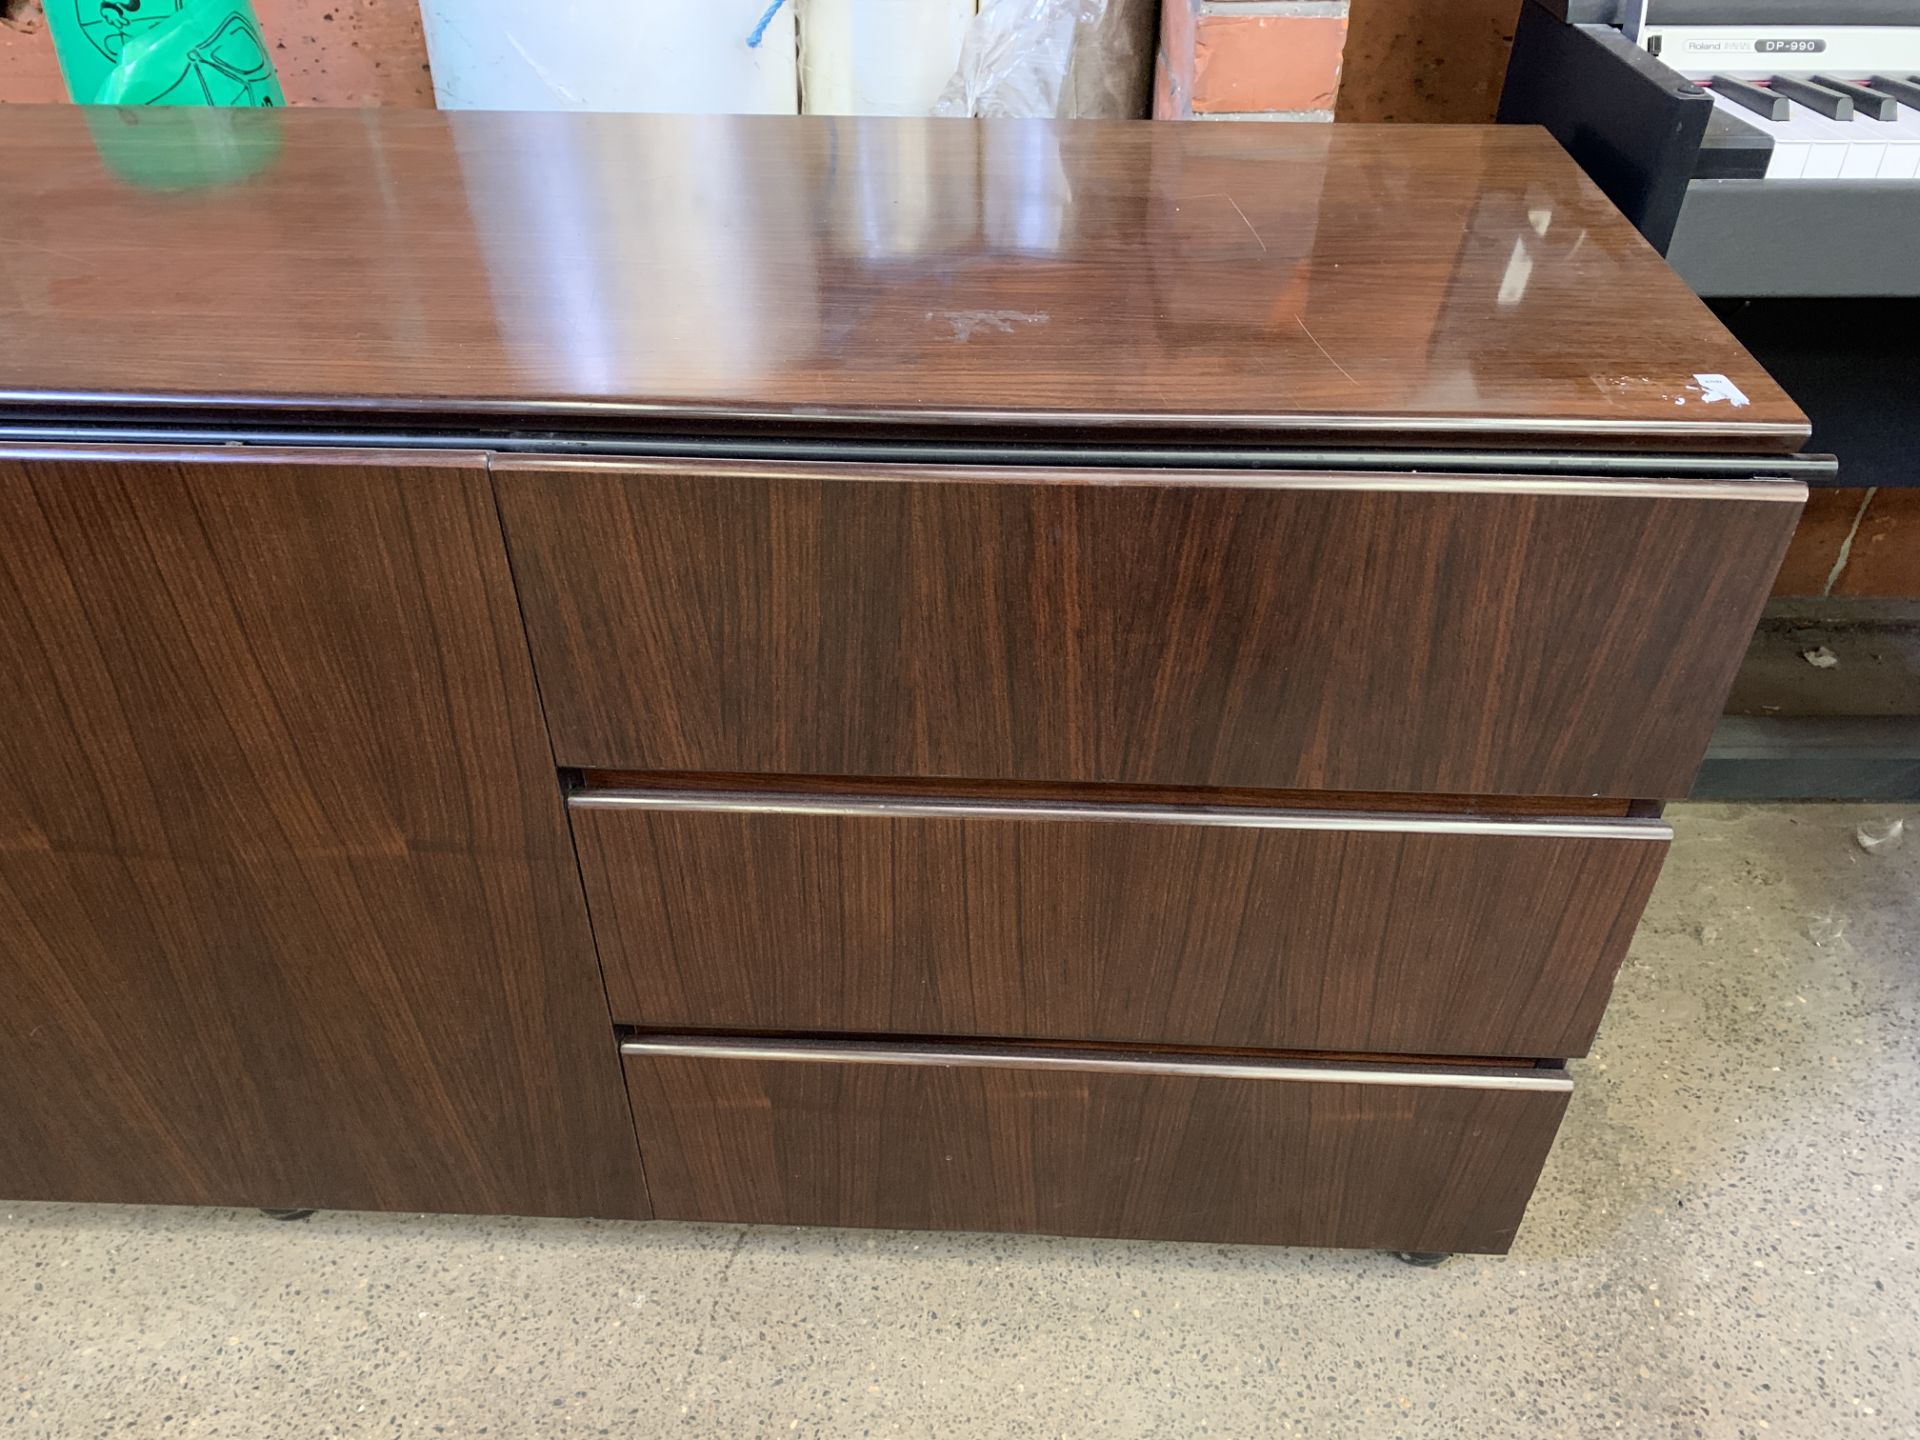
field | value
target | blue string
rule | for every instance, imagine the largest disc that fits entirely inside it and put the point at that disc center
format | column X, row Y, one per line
column 760, row 30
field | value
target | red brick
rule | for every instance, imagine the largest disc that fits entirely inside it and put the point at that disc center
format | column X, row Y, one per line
column 1166, row 105
column 1266, row 62
column 1173, row 69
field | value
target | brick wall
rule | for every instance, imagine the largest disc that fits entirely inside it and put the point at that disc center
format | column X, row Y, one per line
column 1249, row 59
column 1413, row 60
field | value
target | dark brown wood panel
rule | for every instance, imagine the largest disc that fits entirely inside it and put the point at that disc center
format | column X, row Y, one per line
column 288, row 910
column 1465, row 285
column 1153, row 1155
column 1103, row 923
column 1156, row 628
column 996, row 791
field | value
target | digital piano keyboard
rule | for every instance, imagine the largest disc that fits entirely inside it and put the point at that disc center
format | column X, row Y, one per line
column 1833, row 88
column 1716, row 124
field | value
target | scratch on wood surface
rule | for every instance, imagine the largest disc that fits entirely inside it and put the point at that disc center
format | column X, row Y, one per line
column 1223, row 195
column 1324, row 351
column 1255, row 233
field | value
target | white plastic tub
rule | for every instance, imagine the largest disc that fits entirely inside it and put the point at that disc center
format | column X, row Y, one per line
column 672, row 56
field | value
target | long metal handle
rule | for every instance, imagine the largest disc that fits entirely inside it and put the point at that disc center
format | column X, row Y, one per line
column 846, row 1052
column 784, row 803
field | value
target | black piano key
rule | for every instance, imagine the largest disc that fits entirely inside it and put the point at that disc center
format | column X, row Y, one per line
column 1907, row 91
column 1761, row 101
column 1818, row 98
column 1868, row 103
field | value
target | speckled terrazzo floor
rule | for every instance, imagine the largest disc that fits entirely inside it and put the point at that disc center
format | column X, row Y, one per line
column 1726, row 1243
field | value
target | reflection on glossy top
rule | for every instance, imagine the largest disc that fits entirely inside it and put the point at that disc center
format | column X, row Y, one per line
column 1294, row 281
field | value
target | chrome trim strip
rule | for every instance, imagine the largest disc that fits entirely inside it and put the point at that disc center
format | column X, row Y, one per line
column 1115, row 474
column 1775, row 488
column 778, row 803
column 554, row 445
column 842, row 1052
column 1411, row 422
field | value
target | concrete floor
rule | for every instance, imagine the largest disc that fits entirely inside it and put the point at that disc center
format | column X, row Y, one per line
column 1726, row 1243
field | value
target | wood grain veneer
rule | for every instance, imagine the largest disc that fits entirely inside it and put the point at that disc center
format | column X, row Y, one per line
column 1154, row 1153
column 1456, row 285
column 883, row 787
column 288, row 910
column 1390, row 634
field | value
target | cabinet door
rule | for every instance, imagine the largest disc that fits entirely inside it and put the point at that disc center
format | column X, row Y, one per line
column 288, row 912
column 1464, row 635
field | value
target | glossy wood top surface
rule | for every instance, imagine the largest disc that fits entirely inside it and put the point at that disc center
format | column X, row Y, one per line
column 1456, row 284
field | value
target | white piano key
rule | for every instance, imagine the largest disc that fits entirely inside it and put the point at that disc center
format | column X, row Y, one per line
column 1809, row 146
column 1865, row 148
column 1834, row 144
column 1903, row 148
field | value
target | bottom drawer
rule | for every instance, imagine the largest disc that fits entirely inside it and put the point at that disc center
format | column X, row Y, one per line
column 1075, row 1142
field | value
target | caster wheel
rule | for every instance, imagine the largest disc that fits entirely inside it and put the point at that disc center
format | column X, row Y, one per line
column 286, row 1214
column 1424, row 1259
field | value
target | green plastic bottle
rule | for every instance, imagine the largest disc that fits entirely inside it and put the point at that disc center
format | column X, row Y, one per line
column 163, row 52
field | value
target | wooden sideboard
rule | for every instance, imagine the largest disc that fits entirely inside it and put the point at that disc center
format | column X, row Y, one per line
column 1106, row 679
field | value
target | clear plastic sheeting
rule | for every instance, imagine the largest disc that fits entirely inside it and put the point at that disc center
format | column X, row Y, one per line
column 878, row 57
column 1015, row 59
column 663, row 56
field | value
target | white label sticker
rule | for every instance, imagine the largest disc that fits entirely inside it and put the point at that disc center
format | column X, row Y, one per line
column 1715, row 388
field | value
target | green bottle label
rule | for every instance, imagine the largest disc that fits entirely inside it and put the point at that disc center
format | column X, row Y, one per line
column 163, row 52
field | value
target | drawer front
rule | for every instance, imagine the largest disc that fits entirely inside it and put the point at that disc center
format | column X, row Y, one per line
column 1366, row 633
column 1078, row 1143
column 1269, row 930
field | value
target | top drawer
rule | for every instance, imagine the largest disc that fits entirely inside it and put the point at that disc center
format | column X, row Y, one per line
column 1438, row 634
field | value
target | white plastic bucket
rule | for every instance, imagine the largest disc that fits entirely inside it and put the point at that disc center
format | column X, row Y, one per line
column 670, row 56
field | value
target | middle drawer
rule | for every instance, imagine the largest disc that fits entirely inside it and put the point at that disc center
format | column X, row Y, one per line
column 1174, row 925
